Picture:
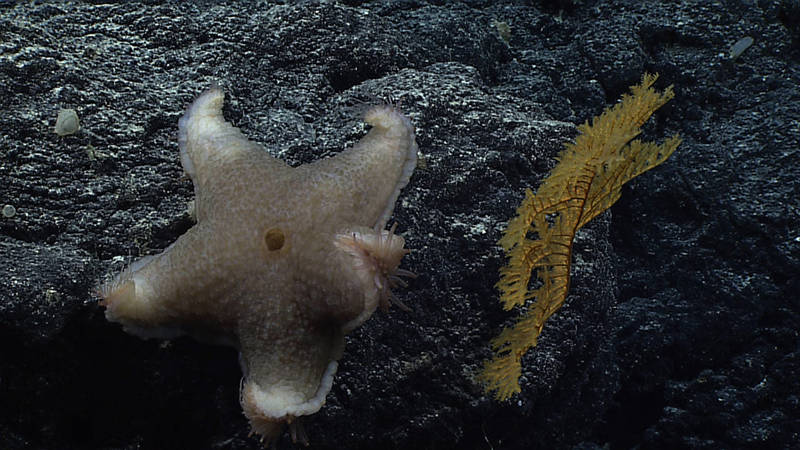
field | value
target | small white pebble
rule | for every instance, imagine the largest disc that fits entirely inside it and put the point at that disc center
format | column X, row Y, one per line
column 67, row 122
column 740, row 46
column 9, row 211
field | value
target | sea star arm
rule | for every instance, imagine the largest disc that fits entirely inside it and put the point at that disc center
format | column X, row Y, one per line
column 370, row 174
column 212, row 150
column 175, row 292
column 288, row 371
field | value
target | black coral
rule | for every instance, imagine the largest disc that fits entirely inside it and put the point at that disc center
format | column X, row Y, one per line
column 586, row 181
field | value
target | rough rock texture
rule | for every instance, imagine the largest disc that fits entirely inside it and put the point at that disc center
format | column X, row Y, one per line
column 681, row 326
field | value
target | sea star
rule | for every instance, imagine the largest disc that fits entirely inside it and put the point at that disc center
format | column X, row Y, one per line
column 282, row 261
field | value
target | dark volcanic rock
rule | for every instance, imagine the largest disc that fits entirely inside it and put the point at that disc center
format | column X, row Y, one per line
column 680, row 330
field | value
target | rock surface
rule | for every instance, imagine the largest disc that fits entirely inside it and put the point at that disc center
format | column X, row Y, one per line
column 680, row 330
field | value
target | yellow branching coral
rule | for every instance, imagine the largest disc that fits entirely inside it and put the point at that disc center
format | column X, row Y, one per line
column 586, row 181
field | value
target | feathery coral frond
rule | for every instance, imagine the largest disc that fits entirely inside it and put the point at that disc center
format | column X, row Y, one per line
column 586, row 181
